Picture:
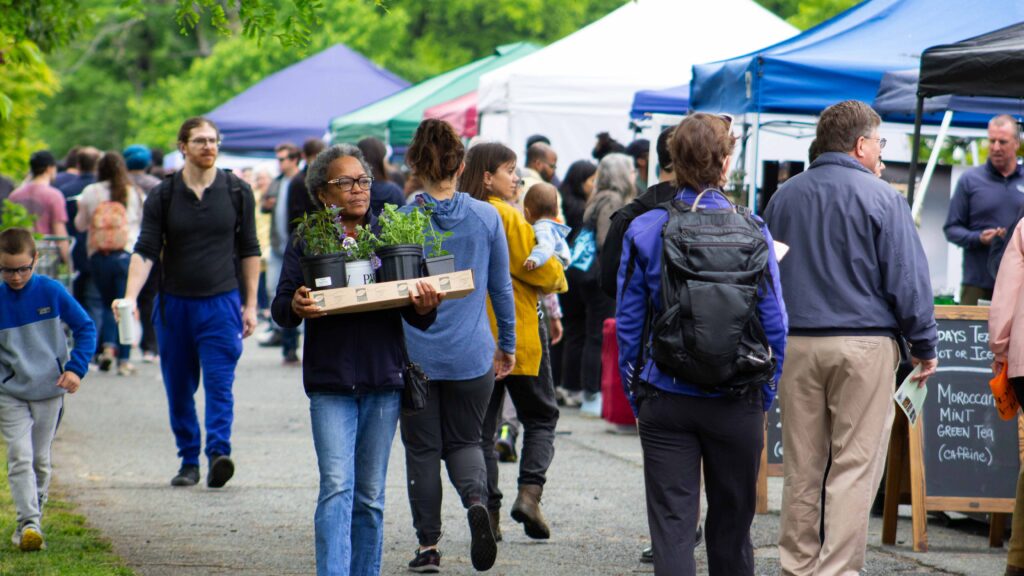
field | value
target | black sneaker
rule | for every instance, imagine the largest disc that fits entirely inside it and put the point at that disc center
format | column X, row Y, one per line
column 647, row 555
column 506, row 444
column 188, row 475
column 699, row 538
column 483, row 551
column 221, row 470
column 426, row 562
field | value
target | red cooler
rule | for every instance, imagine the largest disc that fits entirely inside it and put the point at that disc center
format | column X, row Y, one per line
column 614, row 405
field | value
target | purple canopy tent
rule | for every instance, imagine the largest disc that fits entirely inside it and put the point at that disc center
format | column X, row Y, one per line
column 298, row 102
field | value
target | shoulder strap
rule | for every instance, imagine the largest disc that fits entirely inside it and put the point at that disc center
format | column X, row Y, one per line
column 235, row 191
column 166, row 192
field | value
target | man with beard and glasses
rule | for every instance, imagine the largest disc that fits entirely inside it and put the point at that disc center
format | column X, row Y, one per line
column 200, row 223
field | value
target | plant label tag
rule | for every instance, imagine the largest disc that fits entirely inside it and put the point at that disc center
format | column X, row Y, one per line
column 323, row 282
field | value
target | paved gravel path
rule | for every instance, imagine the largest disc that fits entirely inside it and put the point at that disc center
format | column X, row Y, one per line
column 115, row 455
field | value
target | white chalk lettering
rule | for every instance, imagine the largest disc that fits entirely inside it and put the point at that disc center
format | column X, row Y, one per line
column 985, row 432
column 948, row 395
column 947, row 431
column 954, row 415
column 954, row 336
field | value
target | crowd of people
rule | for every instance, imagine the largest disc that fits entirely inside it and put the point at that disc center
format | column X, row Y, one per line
column 711, row 324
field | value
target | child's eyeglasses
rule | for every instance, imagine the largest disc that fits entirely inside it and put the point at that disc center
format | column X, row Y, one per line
column 9, row 272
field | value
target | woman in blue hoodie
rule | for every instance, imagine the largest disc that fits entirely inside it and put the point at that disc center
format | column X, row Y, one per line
column 682, row 425
column 457, row 352
column 352, row 373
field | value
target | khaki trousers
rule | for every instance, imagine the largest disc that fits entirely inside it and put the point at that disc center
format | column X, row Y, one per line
column 834, row 391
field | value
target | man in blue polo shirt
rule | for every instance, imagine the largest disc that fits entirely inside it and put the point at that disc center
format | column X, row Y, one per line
column 984, row 205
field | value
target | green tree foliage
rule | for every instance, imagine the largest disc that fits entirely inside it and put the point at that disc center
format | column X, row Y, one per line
column 444, row 34
column 807, row 13
column 414, row 39
column 131, row 70
column 812, row 13
column 237, row 63
column 26, row 84
column 117, row 58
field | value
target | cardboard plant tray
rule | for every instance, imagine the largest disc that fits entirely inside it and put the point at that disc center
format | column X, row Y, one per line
column 385, row 295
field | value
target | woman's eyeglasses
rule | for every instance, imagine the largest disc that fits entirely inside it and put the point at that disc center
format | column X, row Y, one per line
column 346, row 184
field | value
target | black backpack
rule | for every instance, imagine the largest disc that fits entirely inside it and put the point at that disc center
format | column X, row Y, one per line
column 708, row 333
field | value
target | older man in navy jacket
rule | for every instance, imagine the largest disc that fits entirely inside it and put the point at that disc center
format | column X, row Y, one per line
column 855, row 280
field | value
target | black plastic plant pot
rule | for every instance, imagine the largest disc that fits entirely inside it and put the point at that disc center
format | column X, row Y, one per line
column 440, row 265
column 323, row 272
column 401, row 262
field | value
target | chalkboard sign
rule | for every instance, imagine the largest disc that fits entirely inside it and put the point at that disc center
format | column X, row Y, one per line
column 969, row 452
column 774, row 443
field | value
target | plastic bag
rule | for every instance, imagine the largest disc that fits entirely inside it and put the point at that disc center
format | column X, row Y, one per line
column 1006, row 400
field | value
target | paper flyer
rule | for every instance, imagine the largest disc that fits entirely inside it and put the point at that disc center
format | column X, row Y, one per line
column 910, row 398
column 780, row 249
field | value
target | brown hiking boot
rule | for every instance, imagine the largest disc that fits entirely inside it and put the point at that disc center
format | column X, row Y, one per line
column 526, row 510
column 495, row 526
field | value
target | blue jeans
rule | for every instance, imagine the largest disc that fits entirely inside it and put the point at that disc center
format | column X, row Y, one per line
column 110, row 274
column 352, row 436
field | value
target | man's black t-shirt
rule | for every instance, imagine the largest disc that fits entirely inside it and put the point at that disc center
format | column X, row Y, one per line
column 199, row 257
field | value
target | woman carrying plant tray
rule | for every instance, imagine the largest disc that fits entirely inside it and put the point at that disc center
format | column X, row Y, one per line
column 352, row 369
column 458, row 352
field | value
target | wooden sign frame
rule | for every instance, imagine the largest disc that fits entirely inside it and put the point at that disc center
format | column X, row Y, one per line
column 763, row 472
column 905, row 475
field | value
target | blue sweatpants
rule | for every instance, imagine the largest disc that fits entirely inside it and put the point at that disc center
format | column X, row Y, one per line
column 206, row 334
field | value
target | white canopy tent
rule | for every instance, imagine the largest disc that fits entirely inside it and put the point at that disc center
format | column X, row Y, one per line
column 584, row 83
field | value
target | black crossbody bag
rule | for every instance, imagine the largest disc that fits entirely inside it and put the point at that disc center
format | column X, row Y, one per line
column 417, row 385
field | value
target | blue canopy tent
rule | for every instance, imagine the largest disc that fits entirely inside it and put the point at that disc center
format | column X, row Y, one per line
column 674, row 100
column 844, row 57
column 897, row 100
column 298, row 102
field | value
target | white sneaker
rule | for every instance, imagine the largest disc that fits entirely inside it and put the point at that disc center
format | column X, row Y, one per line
column 591, row 406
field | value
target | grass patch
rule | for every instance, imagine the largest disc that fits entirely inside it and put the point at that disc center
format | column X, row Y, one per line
column 72, row 548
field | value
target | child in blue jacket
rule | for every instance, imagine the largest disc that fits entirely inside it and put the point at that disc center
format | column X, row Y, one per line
column 35, row 373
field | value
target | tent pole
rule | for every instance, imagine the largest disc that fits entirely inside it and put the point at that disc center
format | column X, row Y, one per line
column 752, row 197
column 933, row 160
column 915, row 146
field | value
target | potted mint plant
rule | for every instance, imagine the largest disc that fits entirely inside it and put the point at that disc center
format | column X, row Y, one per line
column 402, row 235
column 322, row 262
column 440, row 261
column 360, row 260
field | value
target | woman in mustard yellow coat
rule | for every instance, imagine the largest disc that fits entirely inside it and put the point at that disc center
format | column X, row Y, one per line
column 490, row 175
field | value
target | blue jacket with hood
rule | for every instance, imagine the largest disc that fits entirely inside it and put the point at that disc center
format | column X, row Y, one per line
column 643, row 242
column 459, row 345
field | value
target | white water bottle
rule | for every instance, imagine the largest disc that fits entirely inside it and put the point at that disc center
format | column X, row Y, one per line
column 126, row 322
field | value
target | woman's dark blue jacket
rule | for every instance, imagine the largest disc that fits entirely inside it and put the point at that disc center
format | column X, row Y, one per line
column 355, row 353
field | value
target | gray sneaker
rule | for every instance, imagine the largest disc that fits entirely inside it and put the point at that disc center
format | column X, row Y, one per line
column 29, row 538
